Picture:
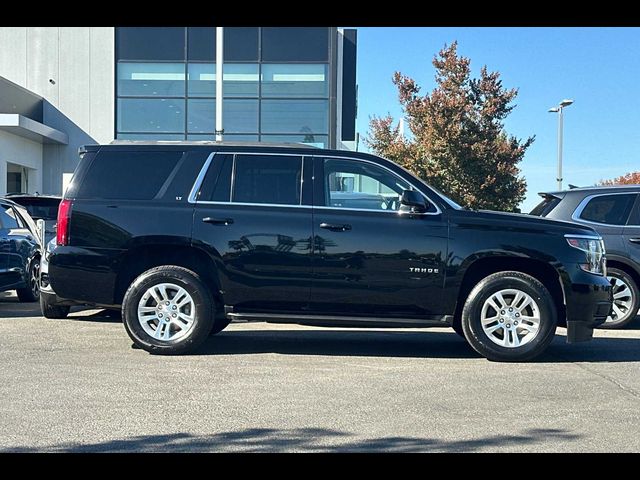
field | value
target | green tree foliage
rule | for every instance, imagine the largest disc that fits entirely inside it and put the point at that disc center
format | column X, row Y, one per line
column 458, row 142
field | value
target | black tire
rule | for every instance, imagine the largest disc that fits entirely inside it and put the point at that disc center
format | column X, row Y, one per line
column 219, row 325
column 491, row 284
column 51, row 310
column 203, row 316
column 618, row 274
column 31, row 293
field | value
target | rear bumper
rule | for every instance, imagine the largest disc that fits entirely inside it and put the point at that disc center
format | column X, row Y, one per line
column 83, row 275
column 588, row 303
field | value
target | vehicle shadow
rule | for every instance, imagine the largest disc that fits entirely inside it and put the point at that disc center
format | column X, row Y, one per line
column 304, row 439
column 11, row 307
column 412, row 344
column 367, row 343
column 107, row 316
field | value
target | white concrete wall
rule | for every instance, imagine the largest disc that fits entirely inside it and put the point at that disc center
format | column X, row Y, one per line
column 73, row 69
column 19, row 150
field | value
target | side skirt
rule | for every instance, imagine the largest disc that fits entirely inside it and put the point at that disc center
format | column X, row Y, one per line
column 345, row 321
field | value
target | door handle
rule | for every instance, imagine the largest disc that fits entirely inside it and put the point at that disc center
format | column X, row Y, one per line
column 634, row 240
column 335, row 227
column 218, row 221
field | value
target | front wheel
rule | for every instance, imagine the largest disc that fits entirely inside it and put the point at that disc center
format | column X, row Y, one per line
column 626, row 299
column 168, row 310
column 509, row 317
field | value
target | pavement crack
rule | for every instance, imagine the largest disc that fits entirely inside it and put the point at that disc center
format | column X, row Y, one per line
column 634, row 393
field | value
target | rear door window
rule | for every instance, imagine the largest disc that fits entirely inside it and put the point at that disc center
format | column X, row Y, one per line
column 267, row 179
column 129, row 175
column 216, row 186
column 609, row 209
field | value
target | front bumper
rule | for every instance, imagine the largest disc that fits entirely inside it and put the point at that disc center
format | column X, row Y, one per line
column 588, row 300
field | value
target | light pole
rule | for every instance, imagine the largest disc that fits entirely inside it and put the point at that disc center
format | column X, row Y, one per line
column 558, row 110
column 219, row 82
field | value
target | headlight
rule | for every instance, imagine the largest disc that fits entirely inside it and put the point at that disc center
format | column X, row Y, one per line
column 593, row 247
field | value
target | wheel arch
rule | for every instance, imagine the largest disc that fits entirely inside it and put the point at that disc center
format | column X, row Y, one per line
column 480, row 267
column 626, row 265
column 144, row 257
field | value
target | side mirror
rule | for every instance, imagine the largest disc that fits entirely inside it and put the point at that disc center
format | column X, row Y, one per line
column 414, row 201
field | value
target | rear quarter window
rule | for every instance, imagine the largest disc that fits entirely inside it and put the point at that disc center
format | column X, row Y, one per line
column 129, row 175
column 545, row 207
column 608, row 209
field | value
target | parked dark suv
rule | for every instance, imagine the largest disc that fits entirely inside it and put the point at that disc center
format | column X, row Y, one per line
column 19, row 252
column 40, row 207
column 186, row 237
column 614, row 212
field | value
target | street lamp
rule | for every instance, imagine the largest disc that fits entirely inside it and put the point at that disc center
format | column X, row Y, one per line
column 558, row 110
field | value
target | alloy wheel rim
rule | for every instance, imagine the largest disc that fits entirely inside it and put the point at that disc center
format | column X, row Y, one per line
column 622, row 300
column 510, row 318
column 166, row 312
column 34, row 279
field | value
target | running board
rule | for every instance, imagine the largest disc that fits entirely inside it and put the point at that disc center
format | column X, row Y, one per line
column 345, row 321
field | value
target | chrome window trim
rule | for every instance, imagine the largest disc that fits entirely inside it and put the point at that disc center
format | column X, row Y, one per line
column 203, row 171
column 301, row 178
column 437, row 212
column 196, row 185
column 247, row 204
column 372, row 210
column 575, row 216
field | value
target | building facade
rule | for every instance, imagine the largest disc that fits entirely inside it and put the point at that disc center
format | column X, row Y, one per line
column 61, row 87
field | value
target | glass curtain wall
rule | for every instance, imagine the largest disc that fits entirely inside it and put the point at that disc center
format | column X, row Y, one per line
column 276, row 84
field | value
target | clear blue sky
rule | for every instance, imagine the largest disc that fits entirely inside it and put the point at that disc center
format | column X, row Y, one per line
column 599, row 68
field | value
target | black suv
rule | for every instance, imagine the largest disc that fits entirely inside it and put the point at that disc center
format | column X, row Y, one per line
column 19, row 252
column 187, row 236
column 614, row 212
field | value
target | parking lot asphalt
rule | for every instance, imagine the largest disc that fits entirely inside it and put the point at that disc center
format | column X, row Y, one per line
column 76, row 385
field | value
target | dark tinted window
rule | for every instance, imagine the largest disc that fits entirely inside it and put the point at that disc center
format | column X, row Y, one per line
column 150, row 43
column 8, row 217
column 216, row 185
column 44, row 208
column 634, row 219
column 267, row 179
column 545, row 207
column 188, row 169
column 240, row 44
column 202, row 43
column 295, row 44
column 129, row 175
column 609, row 209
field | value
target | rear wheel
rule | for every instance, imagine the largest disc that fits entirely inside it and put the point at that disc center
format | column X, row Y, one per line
column 50, row 309
column 626, row 299
column 168, row 310
column 31, row 292
column 509, row 316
